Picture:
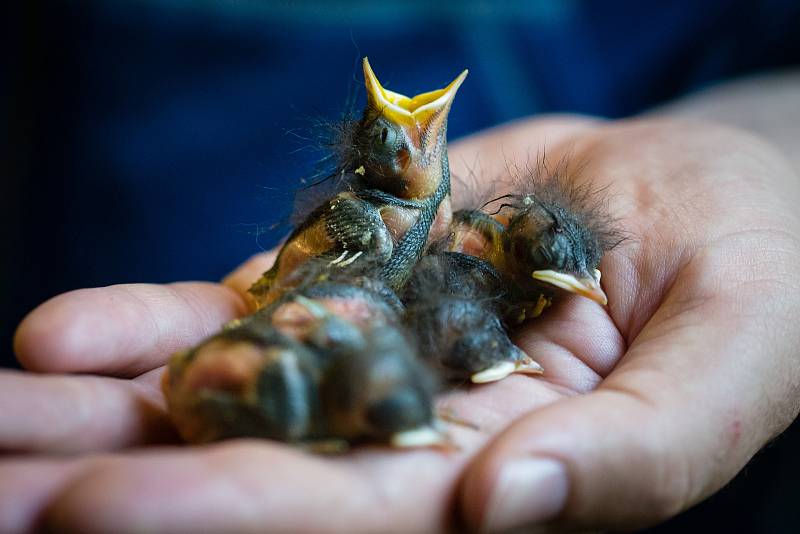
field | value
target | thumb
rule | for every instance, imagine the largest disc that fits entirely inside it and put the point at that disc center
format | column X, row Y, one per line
column 683, row 412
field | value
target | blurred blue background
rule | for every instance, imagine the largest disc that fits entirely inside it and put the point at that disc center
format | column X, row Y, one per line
column 159, row 140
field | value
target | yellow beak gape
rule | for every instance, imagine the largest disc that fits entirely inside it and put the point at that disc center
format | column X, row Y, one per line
column 405, row 111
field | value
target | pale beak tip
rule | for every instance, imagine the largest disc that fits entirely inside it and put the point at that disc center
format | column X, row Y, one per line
column 529, row 366
column 369, row 74
column 454, row 86
column 596, row 293
column 494, row 373
column 419, row 437
column 588, row 287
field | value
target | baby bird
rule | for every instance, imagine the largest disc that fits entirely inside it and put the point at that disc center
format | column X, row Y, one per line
column 550, row 238
column 395, row 163
column 325, row 366
column 455, row 303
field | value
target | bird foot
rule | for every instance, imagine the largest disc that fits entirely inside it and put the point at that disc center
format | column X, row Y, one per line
column 343, row 260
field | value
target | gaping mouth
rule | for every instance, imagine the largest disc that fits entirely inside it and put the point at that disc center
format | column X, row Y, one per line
column 409, row 111
column 588, row 286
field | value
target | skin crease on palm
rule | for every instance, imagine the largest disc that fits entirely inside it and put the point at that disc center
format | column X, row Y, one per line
column 646, row 406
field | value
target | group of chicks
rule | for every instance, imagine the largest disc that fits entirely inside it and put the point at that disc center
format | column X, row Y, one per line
column 382, row 294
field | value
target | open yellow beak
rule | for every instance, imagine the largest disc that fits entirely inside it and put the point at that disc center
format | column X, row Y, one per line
column 405, row 111
column 587, row 287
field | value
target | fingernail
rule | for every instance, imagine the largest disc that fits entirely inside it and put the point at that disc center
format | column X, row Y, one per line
column 529, row 491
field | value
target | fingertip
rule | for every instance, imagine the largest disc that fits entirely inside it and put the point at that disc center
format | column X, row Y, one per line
column 123, row 330
column 508, row 488
column 581, row 463
column 52, row 337
column 247, row 273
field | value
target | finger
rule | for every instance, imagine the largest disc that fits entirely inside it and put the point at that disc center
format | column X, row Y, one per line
column 243, row 277
column 260, row 487
column 27, row 486
column 575, row 341
column 675, row 421
column 69, row 414
column 122, row 330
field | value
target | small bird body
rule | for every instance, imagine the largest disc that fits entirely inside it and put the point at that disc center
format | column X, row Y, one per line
column 326, row 365
column 550, row 238
column 399, row 181
column 326, row 356
column 498, row 272
column 454, row 305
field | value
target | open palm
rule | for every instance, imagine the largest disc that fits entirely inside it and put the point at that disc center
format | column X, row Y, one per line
column 645, row 408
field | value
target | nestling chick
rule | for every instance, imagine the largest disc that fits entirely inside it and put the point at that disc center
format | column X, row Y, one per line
column 555, row 234
column 549, row 237
column 454, row 306
column 326, row 364
column 395, row 161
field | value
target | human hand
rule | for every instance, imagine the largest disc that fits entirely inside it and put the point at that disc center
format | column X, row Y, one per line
column 645, row 408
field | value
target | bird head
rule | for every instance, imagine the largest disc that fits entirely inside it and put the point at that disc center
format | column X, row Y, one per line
column 558, row 233
column 401, row 142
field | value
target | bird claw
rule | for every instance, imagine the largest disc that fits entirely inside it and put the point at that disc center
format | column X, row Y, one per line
column 339, row 259
column 351, row 259
column 343, row 260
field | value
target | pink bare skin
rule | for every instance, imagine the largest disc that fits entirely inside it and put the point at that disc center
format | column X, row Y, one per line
column 645, row 408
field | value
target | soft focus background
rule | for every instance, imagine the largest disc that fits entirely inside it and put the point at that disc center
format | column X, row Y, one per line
column 160, row 140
